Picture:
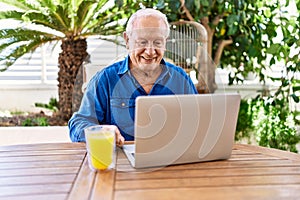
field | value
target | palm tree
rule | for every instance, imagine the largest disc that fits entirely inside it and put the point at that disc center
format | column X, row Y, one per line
column 67, row 21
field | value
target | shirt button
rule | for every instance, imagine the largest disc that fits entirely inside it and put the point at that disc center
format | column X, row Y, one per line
column 123, row 104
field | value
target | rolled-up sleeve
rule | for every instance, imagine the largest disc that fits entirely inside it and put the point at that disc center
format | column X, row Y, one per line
column 91, row 111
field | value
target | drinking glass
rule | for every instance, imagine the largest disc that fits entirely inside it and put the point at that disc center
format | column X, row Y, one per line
column 100, row 144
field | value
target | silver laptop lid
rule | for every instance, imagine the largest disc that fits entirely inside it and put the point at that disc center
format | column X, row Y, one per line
column 173, row 129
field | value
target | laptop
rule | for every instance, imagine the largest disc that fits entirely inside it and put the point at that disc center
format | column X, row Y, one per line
column 178, row 129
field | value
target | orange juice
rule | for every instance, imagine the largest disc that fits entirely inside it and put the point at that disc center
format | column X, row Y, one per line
column 101, row 147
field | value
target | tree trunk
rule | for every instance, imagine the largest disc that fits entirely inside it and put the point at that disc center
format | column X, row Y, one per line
column 207, row 83
column 70, row 76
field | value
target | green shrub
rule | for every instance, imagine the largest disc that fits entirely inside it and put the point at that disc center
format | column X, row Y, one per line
column 270, row 122
column 52, row 105
column 39, row 121
column 245, row 127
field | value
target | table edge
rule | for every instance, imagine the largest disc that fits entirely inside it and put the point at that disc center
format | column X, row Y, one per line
column 268, row 151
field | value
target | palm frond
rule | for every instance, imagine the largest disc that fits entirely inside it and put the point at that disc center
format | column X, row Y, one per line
column 104, row 21
column 55, row 20
column 48, row 20
column 54, row 16
column 20, row 4
column 17, row 42
column 11, row 14
column 85, row 13
column 50, row 4
column 24, row 34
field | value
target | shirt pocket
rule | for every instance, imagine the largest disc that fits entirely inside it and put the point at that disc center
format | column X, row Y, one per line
column 122, row 112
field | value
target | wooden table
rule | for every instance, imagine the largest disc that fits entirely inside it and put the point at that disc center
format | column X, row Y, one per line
column 60, row 171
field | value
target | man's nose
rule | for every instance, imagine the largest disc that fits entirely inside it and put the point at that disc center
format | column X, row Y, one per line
column 150, row 49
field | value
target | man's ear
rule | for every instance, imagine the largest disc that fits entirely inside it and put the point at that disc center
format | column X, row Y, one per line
column 126, row 38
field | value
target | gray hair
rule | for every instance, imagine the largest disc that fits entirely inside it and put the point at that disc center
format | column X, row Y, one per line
column 145, row 13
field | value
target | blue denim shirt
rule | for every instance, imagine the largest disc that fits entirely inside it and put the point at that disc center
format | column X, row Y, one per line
column 110, row 97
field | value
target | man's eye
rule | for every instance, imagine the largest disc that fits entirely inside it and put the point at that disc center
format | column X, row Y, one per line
column 142, row 43
column 158, row 43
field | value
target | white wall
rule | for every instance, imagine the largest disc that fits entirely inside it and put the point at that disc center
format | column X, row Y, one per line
column 23, row 97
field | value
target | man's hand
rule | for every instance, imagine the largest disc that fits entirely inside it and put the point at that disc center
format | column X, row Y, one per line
column 119, row 138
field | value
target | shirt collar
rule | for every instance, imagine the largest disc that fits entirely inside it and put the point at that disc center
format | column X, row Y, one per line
column 165, row 69
column 124, row 66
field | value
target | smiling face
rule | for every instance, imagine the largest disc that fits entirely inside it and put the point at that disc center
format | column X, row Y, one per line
column 146, row 43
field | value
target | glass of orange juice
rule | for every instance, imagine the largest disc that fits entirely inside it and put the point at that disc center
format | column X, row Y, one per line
column 100, row 144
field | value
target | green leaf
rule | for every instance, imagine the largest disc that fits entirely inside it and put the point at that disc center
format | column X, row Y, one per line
column 296, row 88
column 274, row 49
column 232, row 20
column 267, row 12
column 253, row 52
column 275, row 79
column 295, row 97
column 197, row 5
column 205, row 3
column 160, row 4
column 272, row 61
column 232, row 30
